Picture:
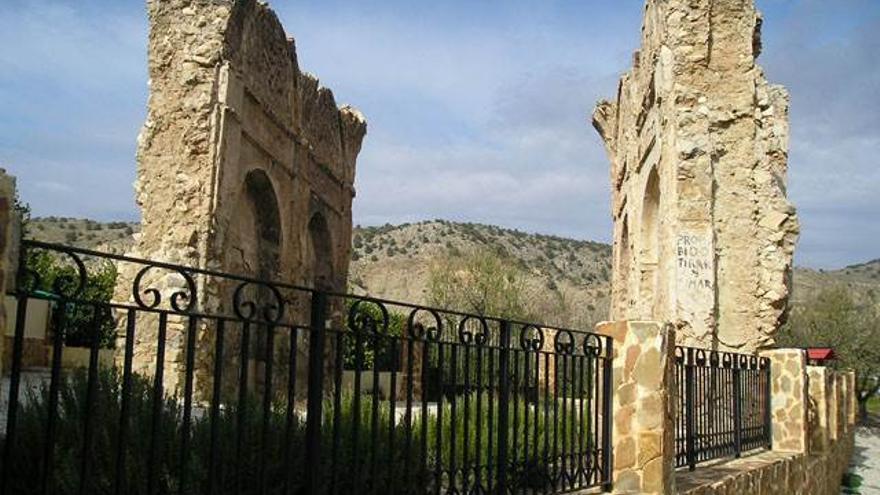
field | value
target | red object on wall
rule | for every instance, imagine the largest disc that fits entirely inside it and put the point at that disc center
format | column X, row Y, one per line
column 820, row 354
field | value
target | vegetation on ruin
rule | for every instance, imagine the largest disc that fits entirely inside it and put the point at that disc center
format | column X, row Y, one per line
column 836, row 318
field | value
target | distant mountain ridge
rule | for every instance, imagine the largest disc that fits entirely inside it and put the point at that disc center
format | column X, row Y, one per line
column 394, row 261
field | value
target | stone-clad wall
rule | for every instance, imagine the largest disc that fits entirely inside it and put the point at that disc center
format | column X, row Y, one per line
column 812, row 424
column 813, row 437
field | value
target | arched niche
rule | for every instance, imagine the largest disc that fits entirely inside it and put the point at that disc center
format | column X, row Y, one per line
column 321, row 255
column 649, row 245
column 260, row 242
column 265, row 226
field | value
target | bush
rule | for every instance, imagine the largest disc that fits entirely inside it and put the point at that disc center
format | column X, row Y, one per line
column 376, row 351
column 79, row 320
column 242, row 454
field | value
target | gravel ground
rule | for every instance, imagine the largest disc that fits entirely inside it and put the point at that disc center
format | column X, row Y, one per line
column 866, row 459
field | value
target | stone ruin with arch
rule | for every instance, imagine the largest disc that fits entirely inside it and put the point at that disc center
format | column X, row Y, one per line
column 246, row 166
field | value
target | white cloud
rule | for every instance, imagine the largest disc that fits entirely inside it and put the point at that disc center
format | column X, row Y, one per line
column 476, row 112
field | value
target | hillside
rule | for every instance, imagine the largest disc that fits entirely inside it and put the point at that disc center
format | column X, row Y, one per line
column 394, row 261
column 115, row 237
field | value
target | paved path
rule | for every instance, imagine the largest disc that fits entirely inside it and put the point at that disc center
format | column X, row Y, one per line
column 866, row 459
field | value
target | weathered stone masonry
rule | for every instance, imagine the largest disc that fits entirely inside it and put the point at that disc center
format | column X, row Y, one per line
column 697, row 138
column 245, row 163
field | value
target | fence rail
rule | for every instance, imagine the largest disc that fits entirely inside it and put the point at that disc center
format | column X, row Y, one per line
column 230, row 384
column 723, row 406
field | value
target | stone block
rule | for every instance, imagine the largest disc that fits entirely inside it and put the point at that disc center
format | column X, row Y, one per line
column 789, row 399
column 643, row 434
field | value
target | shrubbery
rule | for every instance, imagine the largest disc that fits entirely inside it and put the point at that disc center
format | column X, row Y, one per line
column 378, row 456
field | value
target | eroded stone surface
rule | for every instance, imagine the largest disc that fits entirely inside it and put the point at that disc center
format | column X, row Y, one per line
column 697, row 138
column 245, row 165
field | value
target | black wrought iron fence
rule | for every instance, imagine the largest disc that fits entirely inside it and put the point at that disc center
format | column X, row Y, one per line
column 723, row 404
column 228, row 384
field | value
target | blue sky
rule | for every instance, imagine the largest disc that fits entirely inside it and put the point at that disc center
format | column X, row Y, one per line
column 477, row 111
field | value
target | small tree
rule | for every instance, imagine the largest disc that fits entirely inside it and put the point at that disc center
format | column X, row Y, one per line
column 834, row 318
column 81, row 324
column 482, row 283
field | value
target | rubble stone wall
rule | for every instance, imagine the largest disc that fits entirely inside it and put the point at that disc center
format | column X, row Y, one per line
column 697, row 139
column 246, row 164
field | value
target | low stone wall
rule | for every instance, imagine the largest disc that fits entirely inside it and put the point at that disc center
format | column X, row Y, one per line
column 812, row 422
column 813, row 436
column 772, row 473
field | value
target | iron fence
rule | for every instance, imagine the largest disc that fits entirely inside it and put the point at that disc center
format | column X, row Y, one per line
column 723, row 405
column 229, row 384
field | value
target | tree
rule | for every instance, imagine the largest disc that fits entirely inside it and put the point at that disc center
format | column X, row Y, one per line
column 835, row 318
column 81, row 323
column 481, row 282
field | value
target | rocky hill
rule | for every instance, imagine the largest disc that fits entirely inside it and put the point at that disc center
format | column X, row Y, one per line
column 114, row 237
column 394, row 261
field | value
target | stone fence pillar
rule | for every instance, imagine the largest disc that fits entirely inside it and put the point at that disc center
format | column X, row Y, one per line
column 853, row 398
column 820, row 408
column 643, row 438
column 841, row 399
column 789, row 396
column 834, row 416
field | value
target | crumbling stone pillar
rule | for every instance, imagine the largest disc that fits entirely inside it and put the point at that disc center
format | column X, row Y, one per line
column 643, row 438
column 9, row 238
column 697, row 138
column 246, row 165
column 789, row 399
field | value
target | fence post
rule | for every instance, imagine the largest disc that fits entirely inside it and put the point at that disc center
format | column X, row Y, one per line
column 503, row 404
column 317, row 343
column 608, row 417
column 641, row 393
column 737, row 409
column 788, row 403
column 690, row 409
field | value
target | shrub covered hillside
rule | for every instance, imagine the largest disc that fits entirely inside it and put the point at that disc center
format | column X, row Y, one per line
column 113, row 236
column 396, row 261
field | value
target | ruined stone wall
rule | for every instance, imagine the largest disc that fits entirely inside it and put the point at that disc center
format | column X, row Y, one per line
column 9, row 236
column 697, row 139
column 245, row 163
